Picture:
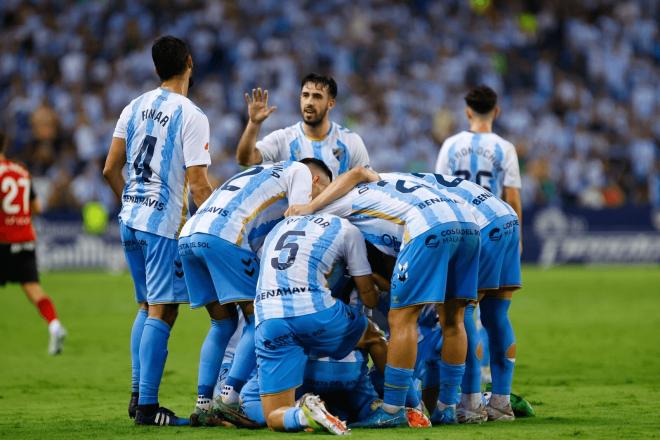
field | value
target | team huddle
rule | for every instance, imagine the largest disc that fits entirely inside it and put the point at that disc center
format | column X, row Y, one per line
column 296, row 256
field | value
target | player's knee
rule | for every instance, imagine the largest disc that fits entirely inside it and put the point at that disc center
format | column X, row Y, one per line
column 406, row 316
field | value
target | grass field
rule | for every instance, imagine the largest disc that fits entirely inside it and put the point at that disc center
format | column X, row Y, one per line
column 588, row 359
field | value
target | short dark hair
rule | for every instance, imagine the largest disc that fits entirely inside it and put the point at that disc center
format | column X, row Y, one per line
column 319, row 164
column 170, row 55
column 325, row 81
column 482, row 99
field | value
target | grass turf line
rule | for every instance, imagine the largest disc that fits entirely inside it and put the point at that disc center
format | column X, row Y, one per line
column 588, row 359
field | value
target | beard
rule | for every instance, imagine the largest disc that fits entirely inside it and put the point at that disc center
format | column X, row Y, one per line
column 317, row 121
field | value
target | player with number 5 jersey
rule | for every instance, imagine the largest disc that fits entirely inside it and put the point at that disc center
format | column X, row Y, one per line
column 162, row 139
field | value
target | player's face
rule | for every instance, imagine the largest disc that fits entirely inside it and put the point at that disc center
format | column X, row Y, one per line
column 315, row 103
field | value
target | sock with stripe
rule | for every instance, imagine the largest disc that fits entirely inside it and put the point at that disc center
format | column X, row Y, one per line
column 395, row 389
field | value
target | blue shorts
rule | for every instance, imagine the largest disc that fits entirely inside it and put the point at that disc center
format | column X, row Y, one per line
column 499, row 261
column 440, row 264
column 217, row 270
column 155, row 267
column 427, row 365
column 282, row 344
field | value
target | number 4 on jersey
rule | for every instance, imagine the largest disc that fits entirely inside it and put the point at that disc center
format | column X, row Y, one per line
column 142, row 161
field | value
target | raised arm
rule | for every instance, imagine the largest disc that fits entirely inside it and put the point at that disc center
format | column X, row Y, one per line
column 258, row 110
column 341, row 186
column 114, row 163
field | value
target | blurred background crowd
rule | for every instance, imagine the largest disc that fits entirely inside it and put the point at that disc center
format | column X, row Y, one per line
column 578, row 83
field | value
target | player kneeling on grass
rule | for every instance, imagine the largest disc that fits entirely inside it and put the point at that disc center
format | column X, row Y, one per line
column 297, row 315
column 218, row 248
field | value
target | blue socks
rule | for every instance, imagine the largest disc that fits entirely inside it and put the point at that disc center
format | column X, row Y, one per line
column 483, row 338
column 395, row 389
column 244, row 359
column 472, row 378
column 136, row 336
column 495, row 318
column 292, row 417
column 213, row 350
column 450, row 379
column 414, row 396
column 153, row 353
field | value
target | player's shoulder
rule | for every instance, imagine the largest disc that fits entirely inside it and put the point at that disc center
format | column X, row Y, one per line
column 461, row 136
column 189, row 108
column 346, row 134
column 496, row 138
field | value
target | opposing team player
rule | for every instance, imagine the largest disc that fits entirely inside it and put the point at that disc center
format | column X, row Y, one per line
column 18, row 260
column 437, row 262
column 297, row 315
column 219, row 246
column 315, row 136
column 163, row 140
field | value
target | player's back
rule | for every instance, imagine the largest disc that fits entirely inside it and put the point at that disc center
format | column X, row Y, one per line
column 483, row 158
column 15, row 211
column 486, row 207
column 162, row 130
column 246, row 207
column 297, row 255
column 341, row 149
column 400, row 200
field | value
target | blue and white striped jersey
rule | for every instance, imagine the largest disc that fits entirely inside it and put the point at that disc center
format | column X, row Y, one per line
column 250, row 204
column 483, row 158
column 398, row 208
column 341, row 149
column 485, row 206
column 297, row 256
column 165, row 133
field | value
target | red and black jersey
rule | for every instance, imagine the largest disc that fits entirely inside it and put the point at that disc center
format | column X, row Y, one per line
column 15, row 196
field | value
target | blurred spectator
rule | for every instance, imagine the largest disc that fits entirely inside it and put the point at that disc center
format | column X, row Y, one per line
column 578, row 82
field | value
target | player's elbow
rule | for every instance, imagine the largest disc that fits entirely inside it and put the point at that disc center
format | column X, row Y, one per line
column 108, row 172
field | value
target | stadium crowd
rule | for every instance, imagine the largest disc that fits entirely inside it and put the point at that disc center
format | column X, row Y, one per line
column 578, row 82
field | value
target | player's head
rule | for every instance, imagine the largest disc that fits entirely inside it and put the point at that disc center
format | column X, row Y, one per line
column 321, row 175
column 317, row 96
column 481, row 103
column 172, row 58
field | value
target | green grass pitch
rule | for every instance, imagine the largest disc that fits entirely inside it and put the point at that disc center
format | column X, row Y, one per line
column 588, row 359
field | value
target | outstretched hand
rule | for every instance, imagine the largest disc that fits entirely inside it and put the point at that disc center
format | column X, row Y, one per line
column 258, row 109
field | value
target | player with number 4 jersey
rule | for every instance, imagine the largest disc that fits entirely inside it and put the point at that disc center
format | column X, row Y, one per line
column 162, row 139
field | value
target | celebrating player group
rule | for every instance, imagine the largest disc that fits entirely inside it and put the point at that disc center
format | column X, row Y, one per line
column 295, row 257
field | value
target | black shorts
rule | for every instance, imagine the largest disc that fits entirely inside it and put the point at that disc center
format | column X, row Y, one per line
column 18, row 263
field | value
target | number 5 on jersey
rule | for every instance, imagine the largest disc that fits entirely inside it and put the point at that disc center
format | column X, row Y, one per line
column 292, row 247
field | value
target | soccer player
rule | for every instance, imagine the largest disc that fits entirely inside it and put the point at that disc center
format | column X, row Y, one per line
column 499, row 277
column 315, row 136
column 18, row 260
column 219, row 246
column 481, row 156
column 296, row 314
column 436, row 241
column 163, row 140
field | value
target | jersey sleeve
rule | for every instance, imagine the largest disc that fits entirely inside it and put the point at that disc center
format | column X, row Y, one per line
column 359, row 155
column 355, row 252
column 511, row 169
column 271, row 147
column 442, row 164
column 299, row 184
column 195, row 137
column 122, row 124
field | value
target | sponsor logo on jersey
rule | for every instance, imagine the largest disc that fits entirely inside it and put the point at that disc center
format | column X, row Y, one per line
column 144, row 201
column 283, row 292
